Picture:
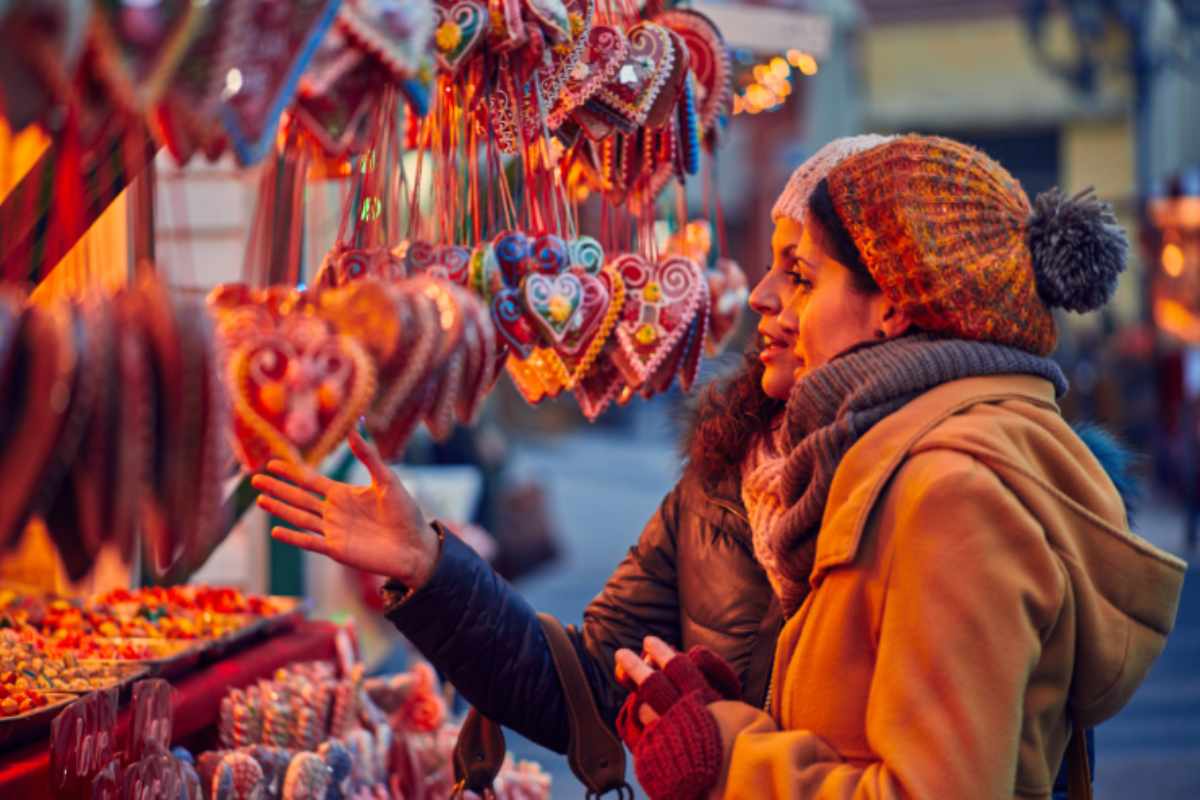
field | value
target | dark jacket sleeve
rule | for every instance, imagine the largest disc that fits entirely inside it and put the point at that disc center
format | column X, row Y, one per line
column 478, row 632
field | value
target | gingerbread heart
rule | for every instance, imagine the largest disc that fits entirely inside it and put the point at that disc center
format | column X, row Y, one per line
column 459, row 30
column 553, row 303
column 664, row 105
column 604, row 53
column 511, row 250
column 277, row 44
column 604, row 297
column 598, row 388
column 660, row 303
column 395, row 32
column 587, row 253
column 297, row 392
column 513, row 325
column 549, row 254
column 451, row 262
column 709, row 62
column 419, row 339
column 42, row 358
column 480, row 350
column 648, row 66
column 336, row 117
column 728, row 293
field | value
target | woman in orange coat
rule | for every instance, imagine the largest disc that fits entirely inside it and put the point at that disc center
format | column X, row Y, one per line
column 962, row 588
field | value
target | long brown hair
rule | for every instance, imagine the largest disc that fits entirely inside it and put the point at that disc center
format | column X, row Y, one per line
column 726, row 419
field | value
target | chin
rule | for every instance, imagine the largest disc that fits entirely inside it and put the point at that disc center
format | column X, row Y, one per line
column 776, row 384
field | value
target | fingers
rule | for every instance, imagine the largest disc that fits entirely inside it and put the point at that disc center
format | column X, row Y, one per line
column 634, row 668
column 305, row 541
column 287, row 493
column 368, row 454
column 302, row 475
column 298, row 517
column 658, row 651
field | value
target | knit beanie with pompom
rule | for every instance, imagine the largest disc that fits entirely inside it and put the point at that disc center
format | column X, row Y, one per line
column 793, row 201
column 952, row 239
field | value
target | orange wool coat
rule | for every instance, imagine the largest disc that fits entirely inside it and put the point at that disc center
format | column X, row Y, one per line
column 975, row 578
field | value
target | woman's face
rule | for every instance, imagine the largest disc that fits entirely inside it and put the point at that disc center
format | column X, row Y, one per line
column 811, row 310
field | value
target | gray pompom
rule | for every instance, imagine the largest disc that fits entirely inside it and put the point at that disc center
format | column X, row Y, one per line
column 1078, row 250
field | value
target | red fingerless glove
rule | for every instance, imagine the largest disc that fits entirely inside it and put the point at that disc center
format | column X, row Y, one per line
column 679, row 756
column 700, row 670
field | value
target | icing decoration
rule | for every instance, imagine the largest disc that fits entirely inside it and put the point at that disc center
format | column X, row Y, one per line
column 648, row 66
column 660, row 303
column 553, row 303
column 458, row 31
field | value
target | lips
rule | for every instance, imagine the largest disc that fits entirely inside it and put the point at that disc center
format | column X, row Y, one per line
column 770, row 346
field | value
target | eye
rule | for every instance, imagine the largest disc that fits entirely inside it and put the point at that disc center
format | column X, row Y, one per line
column 798, row 280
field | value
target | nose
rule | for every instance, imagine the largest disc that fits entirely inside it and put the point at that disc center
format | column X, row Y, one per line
column 765, row 300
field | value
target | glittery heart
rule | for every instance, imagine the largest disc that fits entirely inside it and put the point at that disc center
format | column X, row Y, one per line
column 708, row 61
column 297, row 392
column 553, row 303
column 660, row 303
column 512, row 323
column 278, row 43
column 603, row 55
column 394, row 32
column 458, row 31
column 645, row 70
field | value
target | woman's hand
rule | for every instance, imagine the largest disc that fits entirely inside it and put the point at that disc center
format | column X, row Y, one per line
column 376, row 528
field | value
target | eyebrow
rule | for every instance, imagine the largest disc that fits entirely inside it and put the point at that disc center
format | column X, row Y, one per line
column 790, row 252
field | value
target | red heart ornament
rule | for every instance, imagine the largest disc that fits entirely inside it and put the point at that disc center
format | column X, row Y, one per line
column 603, row 54
column 708, row 60
column 660, row 303
column 513, row 325
column 459, row 30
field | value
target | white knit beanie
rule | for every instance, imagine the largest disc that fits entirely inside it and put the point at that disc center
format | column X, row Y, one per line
column 793, row 202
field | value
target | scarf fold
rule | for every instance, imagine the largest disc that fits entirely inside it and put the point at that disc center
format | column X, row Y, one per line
column 786, row 478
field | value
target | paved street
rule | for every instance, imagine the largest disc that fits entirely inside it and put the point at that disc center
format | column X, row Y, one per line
column 605, row 484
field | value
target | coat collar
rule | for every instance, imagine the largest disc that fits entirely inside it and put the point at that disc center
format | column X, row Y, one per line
column 870, row 463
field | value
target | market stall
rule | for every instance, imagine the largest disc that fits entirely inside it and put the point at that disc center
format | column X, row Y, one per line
column 507, row 171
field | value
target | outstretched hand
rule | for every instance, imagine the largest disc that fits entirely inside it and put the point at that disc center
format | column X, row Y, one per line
column 376, row 528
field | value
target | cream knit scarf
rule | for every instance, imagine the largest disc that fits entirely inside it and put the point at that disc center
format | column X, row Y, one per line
column 787, row 475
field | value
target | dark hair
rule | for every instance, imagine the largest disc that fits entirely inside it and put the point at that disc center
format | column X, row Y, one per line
column 831, row 233
column 726, row 419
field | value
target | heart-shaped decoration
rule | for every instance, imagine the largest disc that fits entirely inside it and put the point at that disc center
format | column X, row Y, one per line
column 648, row 65
column 451, row 262
column 709, row 62
column 277, row 45
column 336, row 118
column 458, row 32
column 395, row 32
column 550, row 254
column 728, row 293
column 480, row 345
column 513, row 325
column 598, row 388
column 604, row 53
column 663, row 108
column 511, row 250
column 587, row 254
column 603, row 298
column 41, row 357
column 660, row 303
column 297, row 392
column 553, row 303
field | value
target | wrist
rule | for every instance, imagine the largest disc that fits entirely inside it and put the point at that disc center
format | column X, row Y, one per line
column 404, row 583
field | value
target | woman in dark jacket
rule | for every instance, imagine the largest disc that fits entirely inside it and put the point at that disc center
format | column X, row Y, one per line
column 692, row 579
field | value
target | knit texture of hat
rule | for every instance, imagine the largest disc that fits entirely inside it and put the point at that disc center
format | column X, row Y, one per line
column 793, row 202
column 951, row 238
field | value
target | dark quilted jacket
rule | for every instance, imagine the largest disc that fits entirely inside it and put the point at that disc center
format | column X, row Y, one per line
column 691, row 579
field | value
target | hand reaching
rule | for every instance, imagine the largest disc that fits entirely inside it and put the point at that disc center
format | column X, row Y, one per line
column 376, row 528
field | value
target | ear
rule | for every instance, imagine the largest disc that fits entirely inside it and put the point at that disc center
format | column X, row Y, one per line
column 893, row 321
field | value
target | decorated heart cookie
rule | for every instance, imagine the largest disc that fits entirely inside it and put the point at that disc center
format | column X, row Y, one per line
column 395, row 32
column 603, row 54
column 660, row 303
column 603, row 299
column 649, row 65
column 297, row 392
column 277, row 44
column 459, row 30
column 709, row 62
column 515, row 327
column 553, row 303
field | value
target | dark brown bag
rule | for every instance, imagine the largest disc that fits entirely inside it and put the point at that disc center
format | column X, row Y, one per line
column 595, row 754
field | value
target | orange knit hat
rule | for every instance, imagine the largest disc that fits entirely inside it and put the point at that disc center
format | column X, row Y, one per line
column 951, row 238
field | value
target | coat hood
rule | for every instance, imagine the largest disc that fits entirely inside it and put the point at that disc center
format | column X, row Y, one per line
column 1124, row 592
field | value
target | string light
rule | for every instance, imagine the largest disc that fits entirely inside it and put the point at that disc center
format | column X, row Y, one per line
column 771, row 84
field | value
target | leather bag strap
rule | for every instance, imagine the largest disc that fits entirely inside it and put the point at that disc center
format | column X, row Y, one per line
column 1079, row 783
column 478, row 755
column 595, row 754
